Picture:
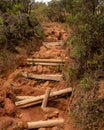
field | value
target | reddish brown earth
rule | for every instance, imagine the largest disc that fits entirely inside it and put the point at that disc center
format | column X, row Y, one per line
column 13, row 118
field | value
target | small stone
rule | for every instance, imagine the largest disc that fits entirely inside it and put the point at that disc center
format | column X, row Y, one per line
column 5, row 122
column 55, row 128
column 53, row 114
column 18, row 125
column 9, row 107
column 2, row 112
column 46, row 116
column 34, row 68
column 39, row 69
column 46, row 70
column 42, row 129
column 45, row 84
column 1, row 101
column 43, row 49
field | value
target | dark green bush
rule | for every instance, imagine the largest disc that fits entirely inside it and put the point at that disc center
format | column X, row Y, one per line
column 86, row 19
column 17, row 23
column 56, row 11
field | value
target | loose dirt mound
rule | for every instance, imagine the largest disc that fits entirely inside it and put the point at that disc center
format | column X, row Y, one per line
column 54, row 32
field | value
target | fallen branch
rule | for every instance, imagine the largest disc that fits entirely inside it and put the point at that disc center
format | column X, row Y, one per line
column 43, row 124
column 45, row 100
column 36, row 100
column 43, row 77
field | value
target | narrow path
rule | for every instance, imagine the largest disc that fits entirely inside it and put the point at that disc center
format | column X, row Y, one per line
column 24, row 85
column 34, row 87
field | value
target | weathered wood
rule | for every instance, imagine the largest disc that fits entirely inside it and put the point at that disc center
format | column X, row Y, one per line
column 43, row 77
column 48, row 64
column 23, row 97
column 30, row 104
column 27, row 97
column 46, row 60
column 36, row 100
column 45, row 100
column 43, row 124
column 53, row 43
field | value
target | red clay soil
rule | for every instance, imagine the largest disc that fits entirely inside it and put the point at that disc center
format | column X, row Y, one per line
column 13, row 118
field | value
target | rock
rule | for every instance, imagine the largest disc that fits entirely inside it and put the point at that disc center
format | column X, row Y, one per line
column 10, row 94
column 42, row 129
column 45, row 84
column 1, row 101
column 53, row 114
column 55, row 128
column 9, row 107
column 18, row 125
column 43, row 49
column 46, row 70
column 3, row 92
column 5, row 122
column 34, row 68
column 2, row 112
column 50, row 113
column 39, row 69
column 17, row 90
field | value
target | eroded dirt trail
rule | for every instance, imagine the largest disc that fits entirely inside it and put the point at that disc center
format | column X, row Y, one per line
column 18, row 85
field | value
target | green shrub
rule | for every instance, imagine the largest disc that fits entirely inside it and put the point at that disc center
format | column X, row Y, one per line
column 18, row 24
column 87, row 50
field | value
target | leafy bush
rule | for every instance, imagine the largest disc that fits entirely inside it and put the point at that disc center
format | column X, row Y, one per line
column 87, row 49
column 40, row 11
column 88, row 37
column 17, row 23
column 7, row 61
column 56, row 11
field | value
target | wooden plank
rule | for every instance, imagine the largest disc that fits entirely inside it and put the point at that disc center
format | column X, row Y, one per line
column 48, row 64
column 23, row 97
column 43, row 77
column 38, row 99
column 27, row 97
column 53, row 43
column 43, row 124
column 46, row 60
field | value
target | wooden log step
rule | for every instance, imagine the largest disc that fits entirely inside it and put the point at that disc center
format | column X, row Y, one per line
column 23, row 97
column 42, row 77
column 48, row 64
column 38, row 99
column 53, row 43
column 43, row 124
column 27, row 97
column 46, row 60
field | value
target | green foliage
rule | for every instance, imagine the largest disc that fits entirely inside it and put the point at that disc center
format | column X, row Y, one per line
column 92, row 113
column 56, row 11
column 40, row 10
column 59, row 67
column 70, row 19
column 15, row 9
column 7, row 62
column 17, row 23
column 86, row 19
column 70, row 74
column 88, row 25
column 87, row 83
